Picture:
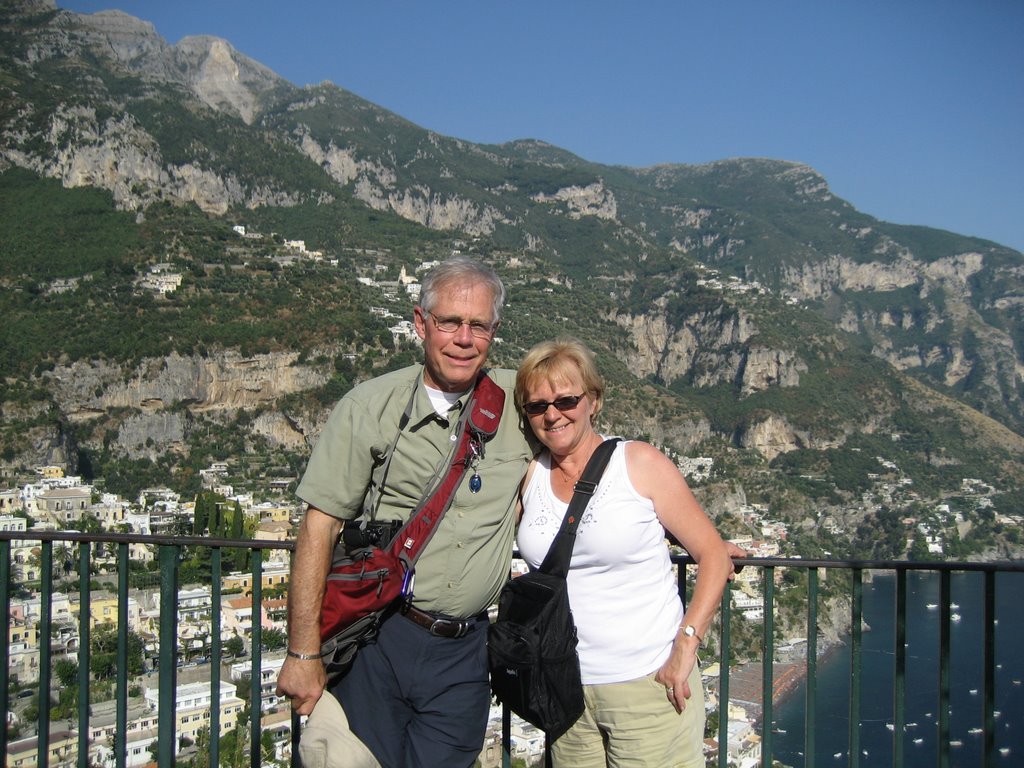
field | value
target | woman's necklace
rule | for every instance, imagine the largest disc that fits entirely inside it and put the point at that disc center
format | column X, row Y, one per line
column 570, row 480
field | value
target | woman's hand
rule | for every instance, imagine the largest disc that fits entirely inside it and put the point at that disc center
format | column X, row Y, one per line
column 675, row 673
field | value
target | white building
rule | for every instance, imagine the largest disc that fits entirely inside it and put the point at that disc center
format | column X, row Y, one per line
column 193, row 703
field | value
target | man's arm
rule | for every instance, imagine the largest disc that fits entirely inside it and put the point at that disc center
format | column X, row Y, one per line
column 303, row 680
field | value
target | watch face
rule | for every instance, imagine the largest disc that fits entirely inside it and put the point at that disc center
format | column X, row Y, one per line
column 689, row 631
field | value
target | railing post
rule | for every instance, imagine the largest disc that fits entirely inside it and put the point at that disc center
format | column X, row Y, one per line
column 256, row 682
column 989, row 754
column 506, row 736
column 45, row 651
column 767, row 671
column 900, row 678
column 215, row 656
column 810, row 713
column 856, row 628
column 5, row 628
column 723, row 680
column 121, row 689
column 944, row 633
column 84, row 656
column 167, row 717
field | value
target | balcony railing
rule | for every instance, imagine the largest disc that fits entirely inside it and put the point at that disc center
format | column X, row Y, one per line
column 75, row 747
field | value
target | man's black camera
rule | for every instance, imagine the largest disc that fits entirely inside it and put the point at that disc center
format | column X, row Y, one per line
column 357, row 536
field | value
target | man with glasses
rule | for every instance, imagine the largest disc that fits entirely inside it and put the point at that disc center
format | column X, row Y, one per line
column 418, row 696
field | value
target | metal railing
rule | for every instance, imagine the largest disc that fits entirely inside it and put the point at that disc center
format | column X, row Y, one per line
column 169, row 555
column 856, row 570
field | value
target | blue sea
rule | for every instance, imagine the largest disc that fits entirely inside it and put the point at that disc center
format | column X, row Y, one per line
column 877, row 731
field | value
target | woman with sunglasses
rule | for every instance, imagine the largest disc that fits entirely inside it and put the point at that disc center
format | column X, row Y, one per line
column 637, row 648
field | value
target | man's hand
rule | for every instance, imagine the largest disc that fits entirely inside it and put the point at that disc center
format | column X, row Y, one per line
column 303, row 680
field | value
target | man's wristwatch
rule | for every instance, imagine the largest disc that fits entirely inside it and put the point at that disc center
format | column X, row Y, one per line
column 690, row 631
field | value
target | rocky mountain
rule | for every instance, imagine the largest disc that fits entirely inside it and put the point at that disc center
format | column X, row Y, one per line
column 741, row 310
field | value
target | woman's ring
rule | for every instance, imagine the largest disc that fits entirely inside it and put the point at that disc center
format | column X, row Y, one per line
column 671, row 690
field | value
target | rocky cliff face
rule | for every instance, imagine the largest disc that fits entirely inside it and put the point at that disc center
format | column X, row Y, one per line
column 708, row 348
column 151, row 408
column 210, row 67
column 592, row 200
column 115, row 152
column 222, row 381
column 712, row 349
column 118, row 155
column 838, row 274
column 927, row 331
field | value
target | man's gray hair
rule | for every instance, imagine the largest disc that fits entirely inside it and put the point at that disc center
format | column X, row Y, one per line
column 461, row 269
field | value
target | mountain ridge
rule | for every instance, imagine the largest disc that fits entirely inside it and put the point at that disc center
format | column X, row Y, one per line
column 740, row 308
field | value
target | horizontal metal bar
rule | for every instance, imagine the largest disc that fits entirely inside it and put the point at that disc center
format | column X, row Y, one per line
column 999, row 566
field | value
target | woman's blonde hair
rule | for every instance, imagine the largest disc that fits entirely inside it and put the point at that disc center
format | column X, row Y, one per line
column 559, row 362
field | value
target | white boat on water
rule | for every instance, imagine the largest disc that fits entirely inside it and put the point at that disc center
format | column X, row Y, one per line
column 956, row 743
column 932, row 606
column 974, row 731
column 919, row 741
column 955, row 617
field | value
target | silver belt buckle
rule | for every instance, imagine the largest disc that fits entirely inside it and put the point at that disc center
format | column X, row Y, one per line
column 462, row 627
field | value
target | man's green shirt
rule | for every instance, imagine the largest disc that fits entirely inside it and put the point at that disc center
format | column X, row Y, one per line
column 461, row 570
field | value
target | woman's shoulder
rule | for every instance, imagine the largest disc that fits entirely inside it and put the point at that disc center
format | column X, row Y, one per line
column 638, row 449
column 647, row 466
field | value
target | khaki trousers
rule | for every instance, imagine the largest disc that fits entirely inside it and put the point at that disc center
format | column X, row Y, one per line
column 633, row 725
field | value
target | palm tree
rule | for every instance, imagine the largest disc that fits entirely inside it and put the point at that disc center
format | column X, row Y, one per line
column 64, row 558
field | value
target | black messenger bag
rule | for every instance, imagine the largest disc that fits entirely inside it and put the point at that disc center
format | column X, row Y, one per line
column 535, row 670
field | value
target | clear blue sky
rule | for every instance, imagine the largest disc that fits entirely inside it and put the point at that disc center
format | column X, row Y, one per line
column 913, row 110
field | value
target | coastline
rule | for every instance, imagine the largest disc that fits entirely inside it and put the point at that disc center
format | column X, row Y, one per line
column 746, row 681
column 795, row 672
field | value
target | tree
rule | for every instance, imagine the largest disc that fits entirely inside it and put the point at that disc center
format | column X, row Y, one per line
column 64, row 558
column 274, row 639
column 240, row 556
column 235, row 646
column 235, row 743
column 236, row 521
column 202, row 515
column 66, row 672
column 202, row 755
column 268, row 750
column 103, row 646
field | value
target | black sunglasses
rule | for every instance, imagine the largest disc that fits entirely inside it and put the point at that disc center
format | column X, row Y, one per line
column 567, row 403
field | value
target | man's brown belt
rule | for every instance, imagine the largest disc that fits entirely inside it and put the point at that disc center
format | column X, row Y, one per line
column 441, row 626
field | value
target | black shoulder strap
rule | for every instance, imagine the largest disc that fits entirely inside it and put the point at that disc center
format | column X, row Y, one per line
column 556, row 562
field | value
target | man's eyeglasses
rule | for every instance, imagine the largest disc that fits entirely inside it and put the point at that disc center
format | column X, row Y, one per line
column 453, row 324
column 567, row 403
